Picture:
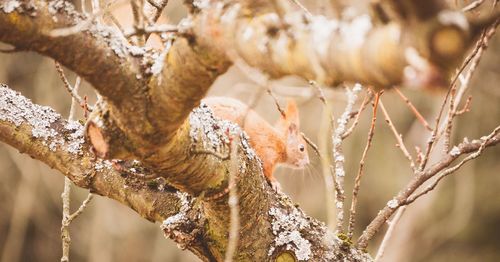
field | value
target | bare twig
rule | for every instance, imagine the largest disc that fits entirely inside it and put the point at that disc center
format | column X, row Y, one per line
column 97, row 12
column 472, row 5
column 72, row 90
column 454, row 168
column 159, row 8
column 388, row 234
column 357, row 181
column 451, row 115
column 95, row 6
column 469, row 58
column 115, row 22
column 138, row 15
column 421, row 177
column 83, row 6
column 397, row 135
column 338, row 157
column 464, row 85
column 414, row 109
column 311, row 144
column 67, row 217
column 157, row 29
column 304, row 9
column 366, row 100
column 82, row 207
column 331, row 187
column 465, row 108
column 234, row 209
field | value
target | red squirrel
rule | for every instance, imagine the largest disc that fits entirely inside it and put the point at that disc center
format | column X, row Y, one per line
column 279, row 144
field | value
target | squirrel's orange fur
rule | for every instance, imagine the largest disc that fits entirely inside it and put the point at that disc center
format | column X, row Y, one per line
column 279, row 144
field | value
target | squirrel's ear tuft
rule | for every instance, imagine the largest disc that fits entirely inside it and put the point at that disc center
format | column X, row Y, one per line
column 291, row 112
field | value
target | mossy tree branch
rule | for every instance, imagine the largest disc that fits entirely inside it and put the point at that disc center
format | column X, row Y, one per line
column 270, row 223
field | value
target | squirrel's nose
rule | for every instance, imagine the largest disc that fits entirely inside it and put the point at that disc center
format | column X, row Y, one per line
column 303, row 162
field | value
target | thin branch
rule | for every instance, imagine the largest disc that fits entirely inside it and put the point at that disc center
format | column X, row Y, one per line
column 397, row 135
column 434, row 135
column 454, row 168
column 311, row 144
column 115, row 22
column 303, row 8
column 357, row 181
column 420, row 178
column 464, row 85
column 332, row 188
column 83, row 6
column 330, row 181
column 366, row 100
column 82, row 207
column 478, row 49
column 388, row 234
column 413, row 109
column 472, row 6
column 465, row 108
column 159, row 8
column 67, row 217
column 72, row 90
column 157, row 29
column 85, row 24
column 234, row 209
column 338, row 157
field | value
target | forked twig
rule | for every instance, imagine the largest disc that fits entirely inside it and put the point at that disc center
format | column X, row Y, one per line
column 454, row 168
column 367, row 99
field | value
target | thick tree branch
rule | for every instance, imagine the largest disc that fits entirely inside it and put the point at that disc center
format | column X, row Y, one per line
column 44, row 135
column 271, row 226
column 332, row 51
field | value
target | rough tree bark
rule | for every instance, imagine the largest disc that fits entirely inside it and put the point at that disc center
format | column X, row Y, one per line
column 146, row 117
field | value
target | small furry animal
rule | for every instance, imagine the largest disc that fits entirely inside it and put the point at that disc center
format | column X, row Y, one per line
column 279, row 144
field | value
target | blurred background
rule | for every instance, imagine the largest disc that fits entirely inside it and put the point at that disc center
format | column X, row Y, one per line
column 459, row 221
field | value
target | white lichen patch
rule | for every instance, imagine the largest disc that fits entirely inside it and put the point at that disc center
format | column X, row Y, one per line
column 201, row 4
column 393, row 203
column 18, row 110
column 101, row 165
column 287, row 227
column 215, row 134
column 322, row 30
column 159, row 61
column 355, row 31
column 455, row 151
column 74, row 145
column 112, row 38
column 181, row 216
column 63, row 7
column 136, row 50
column 352, row 96
column 10, row 6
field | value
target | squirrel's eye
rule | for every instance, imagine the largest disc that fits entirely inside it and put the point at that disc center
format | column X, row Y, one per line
column 301, row 148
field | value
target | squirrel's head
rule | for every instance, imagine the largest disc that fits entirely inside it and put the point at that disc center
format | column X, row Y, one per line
column 296, row 147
